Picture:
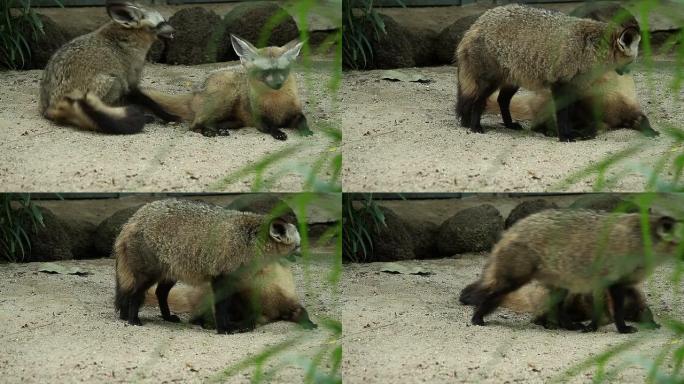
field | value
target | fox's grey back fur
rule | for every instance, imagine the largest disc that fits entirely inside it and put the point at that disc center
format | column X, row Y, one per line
column 535, row 48
column 96, row 63
column 194, row 242
column 575, row 249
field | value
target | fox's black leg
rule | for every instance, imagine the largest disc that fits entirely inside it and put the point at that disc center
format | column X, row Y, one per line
column 222, row 288
column 299, row 122
column 233, row 313
column 245, row 315
column 551, row 319
column 505, row 95
column 617, row 293
column 135, row 300
column 163, row 288
column 564, row 318
column 597, row 310
column 125, row 305
column 135, row 96
column 267, row 126
column 479, row 105
column 637, row 310
column 564, row 99
column 492, row 300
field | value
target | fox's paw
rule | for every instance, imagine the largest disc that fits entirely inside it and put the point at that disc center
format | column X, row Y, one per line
column 279, row 135
column 627, row 329
column 172, row 319
column 135, row 321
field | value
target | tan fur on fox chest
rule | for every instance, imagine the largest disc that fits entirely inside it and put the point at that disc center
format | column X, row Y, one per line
column 278, row 106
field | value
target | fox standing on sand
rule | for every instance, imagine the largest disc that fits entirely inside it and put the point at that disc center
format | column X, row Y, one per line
column 534, row 298
column 611, row 100
column 263, row 94
column 517, row 46
column 197, row 243
column 89, row 80
column 573, row 252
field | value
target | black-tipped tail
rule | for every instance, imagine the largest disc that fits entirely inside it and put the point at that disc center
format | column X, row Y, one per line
column 120, row 120
column 473, row 294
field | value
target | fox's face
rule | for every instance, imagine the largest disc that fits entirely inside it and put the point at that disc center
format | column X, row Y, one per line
column 270, row 65
column 133, row 16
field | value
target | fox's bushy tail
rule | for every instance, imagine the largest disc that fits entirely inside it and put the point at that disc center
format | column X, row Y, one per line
column 178, row 106
column 90, row 113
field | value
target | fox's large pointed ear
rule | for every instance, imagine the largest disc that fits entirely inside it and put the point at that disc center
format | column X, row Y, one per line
column 292, row 49
column 243, row 48
column 124, row 13
column 628, row 42
column 278, row 230
column 665, row 227
column 283, row 232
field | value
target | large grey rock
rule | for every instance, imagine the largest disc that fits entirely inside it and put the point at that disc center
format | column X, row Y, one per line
column 248, row 20
column 198, row 33
column 393, row 49
column 82, row 236
column 527, row 208
column 604, row 202
column 473, row 229
column 49, row 242
column 109, row 229
column 424, row 43
column 424, row 236
column 390, row 241
column 448, row 39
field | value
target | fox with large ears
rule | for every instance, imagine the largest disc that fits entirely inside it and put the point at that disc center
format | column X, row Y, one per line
column 92, row 81
column 263, row 94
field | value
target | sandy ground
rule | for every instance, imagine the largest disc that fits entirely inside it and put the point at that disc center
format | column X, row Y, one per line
column 403, row 136
column 63, row 328
column 36, row 155
column 411, row 329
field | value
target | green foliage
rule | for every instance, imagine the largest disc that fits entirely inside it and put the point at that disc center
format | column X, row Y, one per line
column 19, row 23
column 357, row 240
column 19, row 216
column 358, row 16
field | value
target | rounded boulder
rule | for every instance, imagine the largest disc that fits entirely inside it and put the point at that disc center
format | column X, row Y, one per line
column 450, row 37
column 249, row 20
column 474, row 229
column 109, row 229
column 197, row 37
column 527, row 208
